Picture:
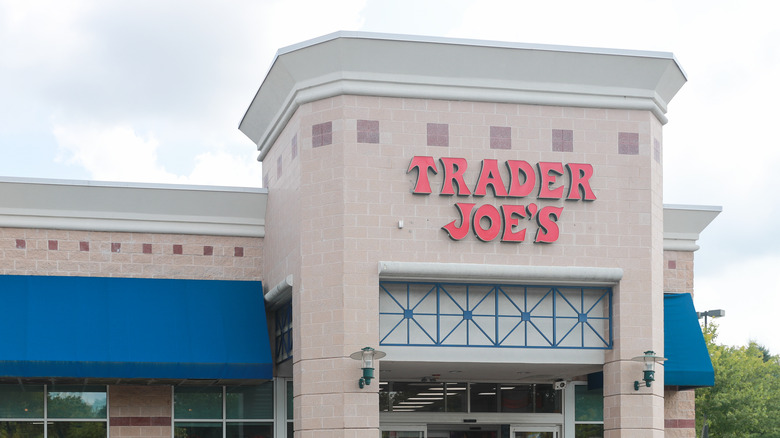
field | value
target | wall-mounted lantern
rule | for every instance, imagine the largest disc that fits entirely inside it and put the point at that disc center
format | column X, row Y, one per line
column 649, row 359
column 367, row 356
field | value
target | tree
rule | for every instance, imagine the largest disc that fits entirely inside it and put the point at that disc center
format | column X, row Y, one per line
column 745, row 401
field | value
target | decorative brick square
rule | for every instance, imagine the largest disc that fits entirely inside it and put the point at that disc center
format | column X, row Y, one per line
column 238, row 251
column 21, row 244
column 294, row 146
column 279, row 167
column 672, row 264
column 208, row 250
column 562, row 140
column 628, row 143
column 321, row 134
column 368, row 131
column 146, row 248
column 178, row 249
column 116, row 246
column 54, row 245
column 83, row 246
column 438, row 134
column 500, row 137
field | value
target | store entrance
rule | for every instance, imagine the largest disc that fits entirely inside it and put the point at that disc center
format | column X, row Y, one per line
column 493, row 431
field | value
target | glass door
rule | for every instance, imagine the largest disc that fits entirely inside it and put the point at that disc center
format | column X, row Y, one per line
column 403, row 431
column 526, row 431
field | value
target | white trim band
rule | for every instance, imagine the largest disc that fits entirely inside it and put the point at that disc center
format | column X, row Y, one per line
column 559, row 275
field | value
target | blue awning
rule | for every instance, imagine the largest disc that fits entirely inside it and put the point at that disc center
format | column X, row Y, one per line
column 84, row 327
column 688, row 363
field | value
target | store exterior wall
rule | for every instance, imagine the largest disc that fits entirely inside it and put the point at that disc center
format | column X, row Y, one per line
column 360, row 205
column 347, row 208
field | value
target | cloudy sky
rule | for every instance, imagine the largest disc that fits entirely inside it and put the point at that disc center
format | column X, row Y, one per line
column 153, row 91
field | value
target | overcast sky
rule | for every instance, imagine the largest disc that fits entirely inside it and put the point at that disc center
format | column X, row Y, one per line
column 153, row 91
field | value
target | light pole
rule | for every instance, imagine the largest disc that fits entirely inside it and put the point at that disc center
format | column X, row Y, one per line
column 716, row 313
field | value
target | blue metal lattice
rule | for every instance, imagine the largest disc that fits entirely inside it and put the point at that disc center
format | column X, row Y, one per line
column 284, row 332
column 494, row 315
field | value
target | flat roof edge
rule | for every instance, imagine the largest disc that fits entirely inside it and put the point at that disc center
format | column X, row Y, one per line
column 120, row 207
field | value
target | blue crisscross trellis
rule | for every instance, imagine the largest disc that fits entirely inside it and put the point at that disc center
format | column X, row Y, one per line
column 283, row 333
column 494, row 315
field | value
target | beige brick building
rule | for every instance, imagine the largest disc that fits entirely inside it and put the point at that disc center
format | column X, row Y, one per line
column 489, row 215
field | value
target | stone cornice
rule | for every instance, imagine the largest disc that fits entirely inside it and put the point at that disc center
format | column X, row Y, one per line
column 357, row 63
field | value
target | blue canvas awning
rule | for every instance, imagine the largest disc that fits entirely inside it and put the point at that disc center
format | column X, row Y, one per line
column 688, row 363
column 84, row 327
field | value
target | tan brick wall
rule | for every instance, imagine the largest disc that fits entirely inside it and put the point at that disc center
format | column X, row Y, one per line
column 678, row 271
column 140, row 411
column 680, row 413
column 105, row 254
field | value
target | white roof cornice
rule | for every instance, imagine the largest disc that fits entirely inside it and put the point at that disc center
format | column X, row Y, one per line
column 132, row 207
column 684, row 223
column 440, row 68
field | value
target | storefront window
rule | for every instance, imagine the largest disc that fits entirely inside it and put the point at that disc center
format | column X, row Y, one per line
column 60, row 411
column 77, row 402
column 290, row 409
column 481, row 397
column 588, row 412
column 248, row 411
column 422, row 397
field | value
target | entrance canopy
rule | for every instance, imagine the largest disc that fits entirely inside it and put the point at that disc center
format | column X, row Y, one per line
column 688, row 363
column 85, row 327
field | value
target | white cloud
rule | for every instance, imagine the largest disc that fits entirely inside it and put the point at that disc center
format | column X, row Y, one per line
column 114, row 153
column 749, row 291
column 220, row 168
column 118, row 153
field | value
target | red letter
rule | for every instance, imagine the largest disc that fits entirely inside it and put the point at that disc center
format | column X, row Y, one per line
column 489, row 176
column 549, row 172
column 490, row 212
column 548, row 228
column 458, row 233
column 516, row 189
column 512, row 216
column 422, row 186
column 454, row 168
column 579, row 187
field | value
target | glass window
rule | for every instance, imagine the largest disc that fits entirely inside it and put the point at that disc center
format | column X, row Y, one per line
column 402, row 434
column 248, row 411
column 21, row 401
column 198, row 402
column 588, row 412
column 202, row 430
column 21, row 429
column 588, row 430
column 422, row 397
column 484, row 397
column 76, row 429
column 77, row 402
column 588, row 404
column 290, row 429
column 56, row 411
column 250, row 402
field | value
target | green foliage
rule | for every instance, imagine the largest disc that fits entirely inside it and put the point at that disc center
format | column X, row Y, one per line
column 745, row 401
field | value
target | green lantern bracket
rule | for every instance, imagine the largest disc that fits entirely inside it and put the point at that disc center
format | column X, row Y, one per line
column 649, row 359
column 367, row 355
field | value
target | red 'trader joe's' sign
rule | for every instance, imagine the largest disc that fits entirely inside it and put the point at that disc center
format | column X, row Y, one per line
column 523, row 178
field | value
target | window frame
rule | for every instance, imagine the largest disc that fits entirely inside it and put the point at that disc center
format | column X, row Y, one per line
column 274, row 421
column 45, row 420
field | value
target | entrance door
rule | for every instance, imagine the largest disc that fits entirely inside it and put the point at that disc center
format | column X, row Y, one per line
column 526, row 431
column 464, row 431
